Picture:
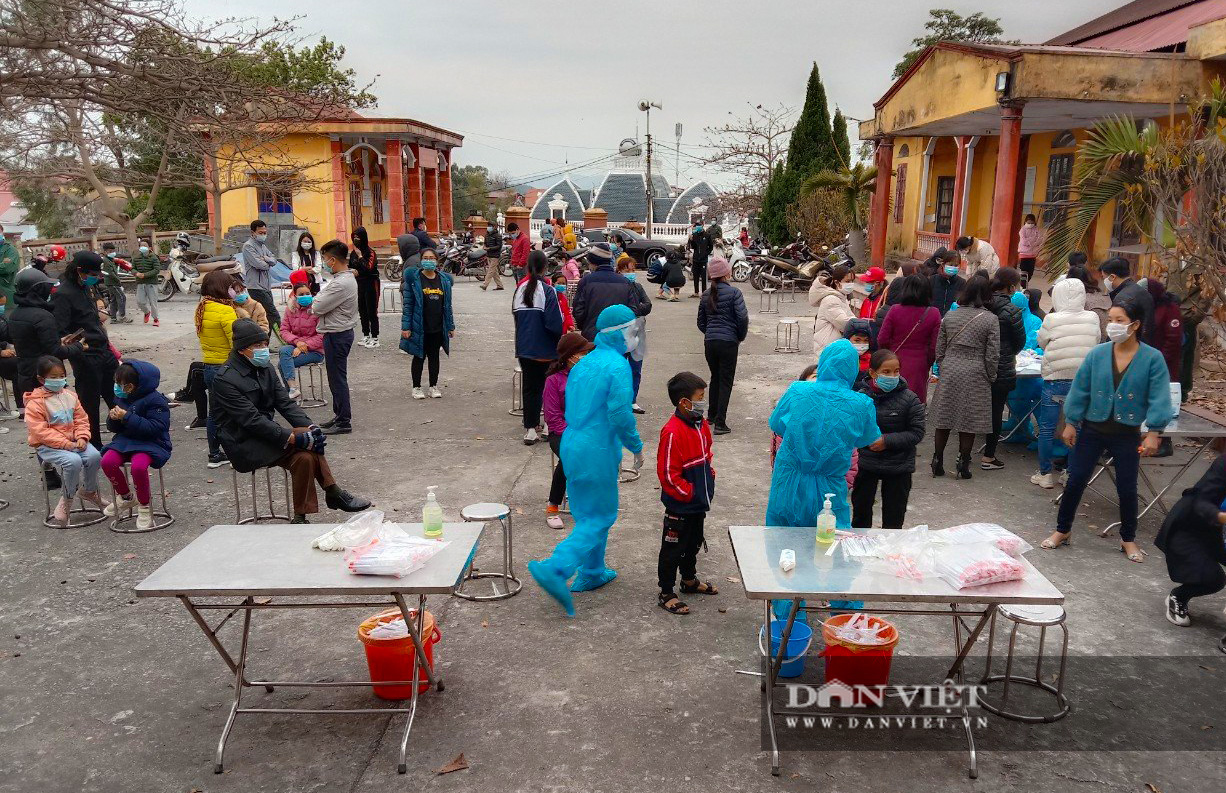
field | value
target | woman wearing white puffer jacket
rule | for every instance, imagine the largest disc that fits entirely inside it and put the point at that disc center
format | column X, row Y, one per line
column 831, row 296
column 1068, row 334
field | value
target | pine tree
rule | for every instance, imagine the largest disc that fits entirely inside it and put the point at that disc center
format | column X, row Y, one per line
column 812, row 147
column 779, row 194
column 841, row 144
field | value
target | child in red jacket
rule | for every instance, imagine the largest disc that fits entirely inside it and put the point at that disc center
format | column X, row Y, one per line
column 568, row 319
column 687, row 485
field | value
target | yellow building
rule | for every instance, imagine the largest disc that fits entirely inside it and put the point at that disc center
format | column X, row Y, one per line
column 333, row 175
column 975, row 136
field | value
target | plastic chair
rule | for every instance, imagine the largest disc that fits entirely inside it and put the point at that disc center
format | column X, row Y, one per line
column 1042, row 617
column 256, row 515
column 790, row 339
column 161, row 517
column 517, row 404
column 88, row 516
column 483, row 513
column 311, row 384
column 768, row 301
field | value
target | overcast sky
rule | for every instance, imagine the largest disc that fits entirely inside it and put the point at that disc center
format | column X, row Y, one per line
column 536, row 88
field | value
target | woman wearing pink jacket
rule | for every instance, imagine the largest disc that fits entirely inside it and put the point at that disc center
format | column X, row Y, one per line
column 304, row 344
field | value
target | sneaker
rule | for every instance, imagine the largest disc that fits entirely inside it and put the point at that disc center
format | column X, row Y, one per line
column 119, row 504
column 146, row 317
column 366, row 341
column 674, row 299
column 1176, row 612
column 530, row 437
column 418, row 393
column 144, row 517
column 1046, row 481
column 991, row 465
column 218, row 459
column 374, row 342
column 197, row 424
column 1064, row 477
column 157, row 323
column 435, row 393
column 294, row 393
column 60, row 513
column 720, row 429
column 635, row 407
column 329, row 424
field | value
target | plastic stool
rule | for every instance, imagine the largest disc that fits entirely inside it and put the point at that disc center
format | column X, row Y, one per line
column 790, row 340
column 517, row 404
column 310, row 378
column 161, row 517
column 483, row 513
column 1041, row 617
column 88, row 516
column 392, row 306
column 787, row 290
column 770, row 297
column 256, row 516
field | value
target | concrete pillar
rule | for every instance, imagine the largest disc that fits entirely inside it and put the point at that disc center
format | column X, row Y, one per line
column 475, row 225
column 1008, row 170
column 340, row 220
column 595, row 218
column 429, row 198
column 395, row 188
column 881, row 199
column 413, row 185
column 445, row 220
column 520, row 216
column 956, row 218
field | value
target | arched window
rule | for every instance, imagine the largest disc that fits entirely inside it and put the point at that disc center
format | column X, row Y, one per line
column 1065, row 140
column 904, row 150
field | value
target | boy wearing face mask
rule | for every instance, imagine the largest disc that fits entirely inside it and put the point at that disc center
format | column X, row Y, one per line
column 148, row 270
column 1123, row 291
column 336, row 305
column 687, row 485
column 860, row 333
column 493, row 251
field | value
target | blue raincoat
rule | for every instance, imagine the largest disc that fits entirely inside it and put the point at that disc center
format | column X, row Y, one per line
column 599, row 424
column 1024, row 397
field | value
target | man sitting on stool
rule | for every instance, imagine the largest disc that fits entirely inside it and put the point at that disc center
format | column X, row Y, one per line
column 244, row 397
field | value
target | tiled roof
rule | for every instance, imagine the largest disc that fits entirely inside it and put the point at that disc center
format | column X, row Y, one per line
column 681, row 207
column 569, row 193
column 623, row 196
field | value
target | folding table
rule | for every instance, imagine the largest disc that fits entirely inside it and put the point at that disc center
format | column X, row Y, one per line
column 277, row 564
column 819, row 576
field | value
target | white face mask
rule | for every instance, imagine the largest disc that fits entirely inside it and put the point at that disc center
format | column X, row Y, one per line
column 849, row 289
column 1119, row 331
column 861, row 347
column 1108, row 283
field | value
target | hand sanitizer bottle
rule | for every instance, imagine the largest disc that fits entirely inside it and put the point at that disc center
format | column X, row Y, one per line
column 826, row 521
column 432, row 515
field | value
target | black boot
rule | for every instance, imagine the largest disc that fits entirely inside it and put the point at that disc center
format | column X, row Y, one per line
column 300, row 519
column 938, row 465
column 336, row 498
column 964, row 466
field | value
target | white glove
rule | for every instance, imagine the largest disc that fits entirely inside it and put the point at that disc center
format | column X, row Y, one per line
column 638, row 461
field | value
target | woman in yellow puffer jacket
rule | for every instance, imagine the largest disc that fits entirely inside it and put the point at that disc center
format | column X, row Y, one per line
column 214, row 317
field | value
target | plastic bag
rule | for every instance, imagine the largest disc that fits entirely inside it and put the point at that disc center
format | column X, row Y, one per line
column 392, row 553
column 859, row 631
column 976, row 564
column 357, row 531
column 904, row 554
column 1001, row 537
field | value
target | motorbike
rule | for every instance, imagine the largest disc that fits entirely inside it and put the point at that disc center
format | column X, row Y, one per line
column 735, row 254
column 771, row 270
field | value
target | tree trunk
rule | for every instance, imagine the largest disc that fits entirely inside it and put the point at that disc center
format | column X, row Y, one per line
column 855, row 245
column 215, row 197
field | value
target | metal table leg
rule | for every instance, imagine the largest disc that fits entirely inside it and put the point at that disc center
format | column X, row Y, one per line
column 1157, row 497
column 239, row 682
column 415, row 627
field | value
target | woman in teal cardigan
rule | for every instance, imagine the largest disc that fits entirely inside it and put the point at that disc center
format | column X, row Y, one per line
column 1119, row 386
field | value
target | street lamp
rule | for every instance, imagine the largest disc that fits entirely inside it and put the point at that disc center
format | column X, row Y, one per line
column 646, row 105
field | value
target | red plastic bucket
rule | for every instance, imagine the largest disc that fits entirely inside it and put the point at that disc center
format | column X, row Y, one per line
column 854, row 664
column 393, row 659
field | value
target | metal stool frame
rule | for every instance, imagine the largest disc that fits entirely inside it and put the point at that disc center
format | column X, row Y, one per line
column 7, row 401
column 256, row 516
column 308, row 377
column 791, row 335
column 512, row 584
column 787, row 290
column 769, row 295
column 1034, row 682
column 80, row 509
column 517, row 403
column 161, row 517
column 393, row 306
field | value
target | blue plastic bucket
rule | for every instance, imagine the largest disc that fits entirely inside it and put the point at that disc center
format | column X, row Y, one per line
column 798, row 646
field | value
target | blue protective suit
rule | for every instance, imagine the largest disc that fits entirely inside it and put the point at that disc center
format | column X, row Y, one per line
column 820, row 422
column 599, row 424
column 1024, row 397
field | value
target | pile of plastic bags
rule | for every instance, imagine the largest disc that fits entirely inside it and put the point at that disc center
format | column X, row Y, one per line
column 375, row 547
column 969, row 555
column 859, row 631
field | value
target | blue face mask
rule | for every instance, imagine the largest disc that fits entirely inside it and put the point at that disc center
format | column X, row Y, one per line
column 951, row 270
column 887, row 383
column 2, row 308
column 119, row 392
column 260, row 356
column 305, row 300
column 630, row 276
column 144, row 249
column 241, row 298
column 92, row 280
column 55, row 384
column 429, row 264
column 561, row 289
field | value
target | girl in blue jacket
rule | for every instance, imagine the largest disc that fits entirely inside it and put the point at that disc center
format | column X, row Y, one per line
column 427, row 323
column 140, row 422
column 1120, row 385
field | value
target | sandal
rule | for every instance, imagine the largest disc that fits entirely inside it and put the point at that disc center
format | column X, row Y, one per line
column 669, row 602
column 1048, row 545
column 1138, row 557
column 698, row 588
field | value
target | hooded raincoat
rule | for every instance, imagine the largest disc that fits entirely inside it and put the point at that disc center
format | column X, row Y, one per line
column 599, row 424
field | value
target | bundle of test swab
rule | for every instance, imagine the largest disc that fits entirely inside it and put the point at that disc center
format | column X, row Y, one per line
column 392, row 553
column 858, row 631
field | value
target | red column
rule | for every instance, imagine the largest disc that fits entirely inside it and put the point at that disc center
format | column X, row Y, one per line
column 881, row 199
column 963, row 143
column 1005, row 193
column 395, row 188
column 413, row 185
column 445, row 222
column 340, row 219
column 430, row 199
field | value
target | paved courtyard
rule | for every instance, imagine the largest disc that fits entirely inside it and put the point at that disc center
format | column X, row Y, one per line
column 102, row 692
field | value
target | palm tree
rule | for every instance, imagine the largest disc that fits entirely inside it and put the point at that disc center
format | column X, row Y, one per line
column 854, row 185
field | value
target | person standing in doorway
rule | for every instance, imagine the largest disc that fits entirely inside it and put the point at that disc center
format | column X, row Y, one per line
column 538, row 328
column 148, row 269
column 700, row 252
column 258, row 261
column 336, row 305
column 427, row 323
column 724, row 322
column 493, row 255
column 365, row 266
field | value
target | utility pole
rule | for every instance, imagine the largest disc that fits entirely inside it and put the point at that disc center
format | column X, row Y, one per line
column 646, row 107
column 677, row 166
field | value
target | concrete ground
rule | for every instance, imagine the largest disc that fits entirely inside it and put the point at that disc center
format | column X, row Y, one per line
column 102, row 692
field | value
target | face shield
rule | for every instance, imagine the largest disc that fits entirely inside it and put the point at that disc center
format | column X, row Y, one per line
column 628, row 331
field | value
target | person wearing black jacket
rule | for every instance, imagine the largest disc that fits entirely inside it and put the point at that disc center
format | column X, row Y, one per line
column 1123, row 291
column 1012, row 341
column 245, row 395
column 1191, row 538
column 724, row 322
column 32, row 330
column 890, row 460
column 75, row 307
column 604, row 287
column 8, row 359
column 493, row 254
column 935, row 264
column 947, row 284
column 700, row 251
column 365, row 265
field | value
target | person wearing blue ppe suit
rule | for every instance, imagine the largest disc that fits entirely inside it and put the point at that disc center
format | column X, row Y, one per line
column 1024, row 398
column 599, row 423
column 820, row 423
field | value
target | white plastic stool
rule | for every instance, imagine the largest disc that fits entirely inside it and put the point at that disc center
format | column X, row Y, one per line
column 787, row 290
column 311, row 384
column 517, row 404
column 483, row 513
column 87, row 515
column 394, row 305
column 768, row 297
column 161, row 517
column 789, row 341
column 256, row 515
column 1041, row 617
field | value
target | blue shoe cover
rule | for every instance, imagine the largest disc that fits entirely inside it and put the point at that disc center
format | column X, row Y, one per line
column 586, row 583
column 553, row 584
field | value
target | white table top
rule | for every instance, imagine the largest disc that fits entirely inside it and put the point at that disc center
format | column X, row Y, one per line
column 1189, row 425
column 278, row 560
column 820, row 577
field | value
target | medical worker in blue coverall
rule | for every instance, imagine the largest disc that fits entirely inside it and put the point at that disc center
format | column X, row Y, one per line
column 599, row 423
column 1024, row 398
column 820, row 421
